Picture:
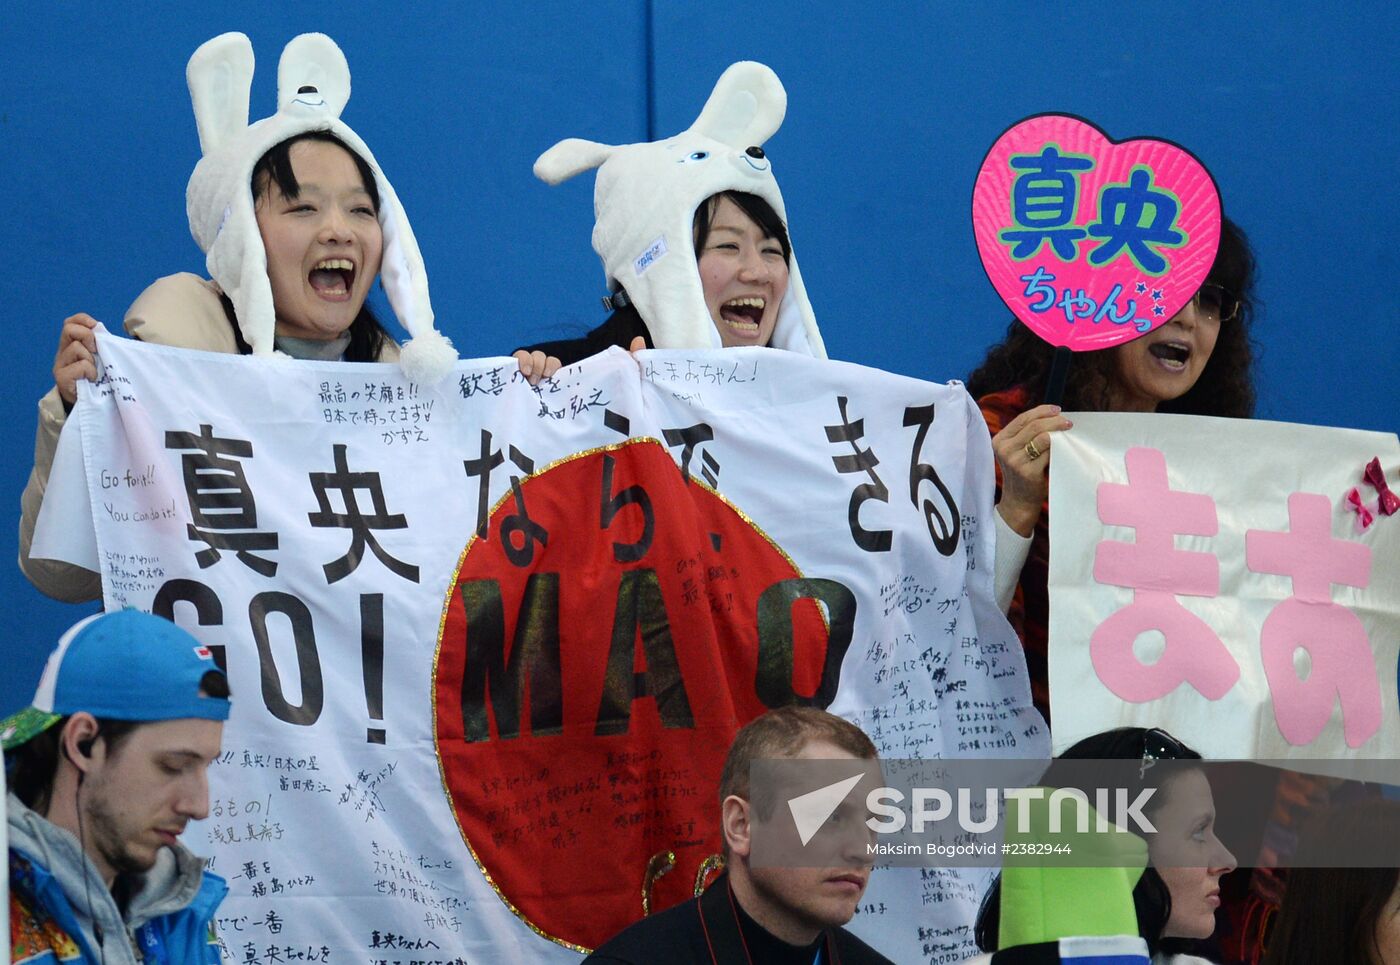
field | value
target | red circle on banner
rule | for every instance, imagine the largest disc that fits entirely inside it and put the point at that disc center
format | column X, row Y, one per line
column 591, row 673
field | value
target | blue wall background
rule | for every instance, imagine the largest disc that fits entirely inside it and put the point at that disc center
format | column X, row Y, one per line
column 1292, row 105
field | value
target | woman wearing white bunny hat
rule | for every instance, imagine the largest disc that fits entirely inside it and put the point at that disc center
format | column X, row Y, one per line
column 296, row 220
column 691, row 231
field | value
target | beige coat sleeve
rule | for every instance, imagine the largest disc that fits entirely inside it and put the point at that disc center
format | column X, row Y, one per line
column 181, row 310
column 62, row 581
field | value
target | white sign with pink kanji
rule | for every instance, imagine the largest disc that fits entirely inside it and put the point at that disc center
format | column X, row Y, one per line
column 1234, row 582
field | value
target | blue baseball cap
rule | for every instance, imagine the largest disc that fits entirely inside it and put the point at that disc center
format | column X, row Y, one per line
column 125, row 665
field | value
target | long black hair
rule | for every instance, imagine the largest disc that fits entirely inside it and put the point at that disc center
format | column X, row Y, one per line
column 1226, row 383
column 1330, row 914
column 367, row 333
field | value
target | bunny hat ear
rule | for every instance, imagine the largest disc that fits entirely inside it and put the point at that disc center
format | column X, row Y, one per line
column 746, row 107
column 313, row 83
column 646, row 196
column 314, row 61
column 220, row 75
column 570, row 157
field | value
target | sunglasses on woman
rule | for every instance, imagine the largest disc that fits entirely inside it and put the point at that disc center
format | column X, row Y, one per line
column 1214, row 300
column 1158, row 745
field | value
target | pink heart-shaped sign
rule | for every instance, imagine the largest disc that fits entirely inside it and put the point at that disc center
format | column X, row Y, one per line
column 1093, row 243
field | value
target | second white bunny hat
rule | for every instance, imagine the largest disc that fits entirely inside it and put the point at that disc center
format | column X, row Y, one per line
column 645, row 198
column 313, row 86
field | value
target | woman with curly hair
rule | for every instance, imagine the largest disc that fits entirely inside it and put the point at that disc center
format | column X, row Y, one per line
column 1197, row 363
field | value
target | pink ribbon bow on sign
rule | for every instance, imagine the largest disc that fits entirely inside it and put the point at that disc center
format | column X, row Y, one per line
column 1364, row 516
column 1389, row 502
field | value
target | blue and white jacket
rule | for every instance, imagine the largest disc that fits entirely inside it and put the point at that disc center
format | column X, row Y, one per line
column 169, row 919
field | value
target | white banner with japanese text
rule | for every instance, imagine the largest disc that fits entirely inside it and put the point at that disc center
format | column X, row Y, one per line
column 489, row 643
column 1235, row 582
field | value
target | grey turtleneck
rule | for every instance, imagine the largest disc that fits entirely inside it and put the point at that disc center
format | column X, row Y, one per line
column 312, row 349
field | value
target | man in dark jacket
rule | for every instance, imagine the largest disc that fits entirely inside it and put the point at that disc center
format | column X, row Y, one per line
column 763, row 911
column 104, row 771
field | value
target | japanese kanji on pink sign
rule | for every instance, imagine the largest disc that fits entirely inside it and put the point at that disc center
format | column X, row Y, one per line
column 1092, row 243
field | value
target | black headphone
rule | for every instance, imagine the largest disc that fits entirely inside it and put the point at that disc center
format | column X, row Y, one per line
column 84, row 748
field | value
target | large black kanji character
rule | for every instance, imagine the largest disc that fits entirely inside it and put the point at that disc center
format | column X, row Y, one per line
column 610, row 506
column 359, row 524
column 482, row 466
column 617, row 422
column 520, row 522
column 690, row 437
column 221, row 501
column 864, row 460
column 945, row 534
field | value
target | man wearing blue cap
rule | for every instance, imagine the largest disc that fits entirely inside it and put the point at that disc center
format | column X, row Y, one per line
column 104, row 770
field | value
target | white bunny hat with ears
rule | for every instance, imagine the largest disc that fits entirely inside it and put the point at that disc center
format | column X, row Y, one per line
column 313, row 85
column 645, row 200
